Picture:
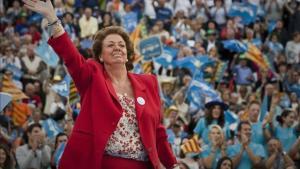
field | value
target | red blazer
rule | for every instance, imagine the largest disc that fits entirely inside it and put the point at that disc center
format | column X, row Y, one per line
column 101, row 111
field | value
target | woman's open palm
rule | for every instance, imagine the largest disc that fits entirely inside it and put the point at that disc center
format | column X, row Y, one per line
column 43, row 7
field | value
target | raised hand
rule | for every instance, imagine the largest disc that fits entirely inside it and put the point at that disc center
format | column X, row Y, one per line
column 42, row 7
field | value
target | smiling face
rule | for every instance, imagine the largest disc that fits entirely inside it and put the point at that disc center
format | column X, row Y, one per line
column 215, row 134
column 114, row 50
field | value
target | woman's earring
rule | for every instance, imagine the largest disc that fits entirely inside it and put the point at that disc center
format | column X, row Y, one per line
column 101, row 60
column 126, row 60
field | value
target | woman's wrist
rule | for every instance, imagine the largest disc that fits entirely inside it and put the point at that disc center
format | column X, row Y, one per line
column 51, row 18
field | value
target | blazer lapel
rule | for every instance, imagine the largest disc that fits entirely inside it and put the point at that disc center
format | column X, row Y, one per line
column 139, row 94
column 111, row 88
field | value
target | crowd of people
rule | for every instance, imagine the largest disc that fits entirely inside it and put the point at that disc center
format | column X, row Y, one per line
column 253, row 122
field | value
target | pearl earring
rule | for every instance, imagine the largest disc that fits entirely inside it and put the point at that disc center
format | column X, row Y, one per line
column 101, row 60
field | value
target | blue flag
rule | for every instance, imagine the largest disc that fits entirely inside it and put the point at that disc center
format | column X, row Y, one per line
column 130, row 21
column 199, row 91
column 45, row 52
column 194, row 63
column 17, row 73
column 246, row 11
column 230, row 117
column 264, row 108
column 137, row 68
column 167, row 58
column 271, row 26
column 235, row 46
column 63, row 88
column 58, row 153
column 51, row 128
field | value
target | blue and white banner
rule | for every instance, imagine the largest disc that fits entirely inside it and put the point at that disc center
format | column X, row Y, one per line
column 130, row 21
column 194, row 63
column 167, row 58
column 63, row 88
column 235, row 46
column 45, row 52
column 150, row 47
column 51, row 128
column 246, row 11
column 199, row 91
column 17, row 73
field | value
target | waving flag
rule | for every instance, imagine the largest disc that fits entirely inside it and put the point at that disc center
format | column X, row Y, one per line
column 51, row 128
column 73, row 96
column 230, row 117
column 199, row 91
column 58, row 153
column 167, row 58
column 9, row 87
column 235, row 46
column 255, row 55
column 17, row 73
column 264, row 108
column 129, row 21
column 191, row 146
column 63, row 87
column 246, row 11
column 194, row 63
column 45, row 52
column 271, row 26
column 20, row 113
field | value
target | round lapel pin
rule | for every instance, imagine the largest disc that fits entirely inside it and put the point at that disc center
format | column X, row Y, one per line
column 141, row 100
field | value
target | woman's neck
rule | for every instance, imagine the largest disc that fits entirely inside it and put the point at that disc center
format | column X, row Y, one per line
column 117, row 74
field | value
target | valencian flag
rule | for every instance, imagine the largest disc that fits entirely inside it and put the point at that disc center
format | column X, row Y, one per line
column 191, row 146
column 255, row 55
column 20, row 113
column 74, row 96
column 9, row 87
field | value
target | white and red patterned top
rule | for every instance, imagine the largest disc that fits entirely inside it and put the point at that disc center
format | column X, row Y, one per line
column 126, row 141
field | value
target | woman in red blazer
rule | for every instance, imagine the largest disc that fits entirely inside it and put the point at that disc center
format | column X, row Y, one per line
column 119, row 125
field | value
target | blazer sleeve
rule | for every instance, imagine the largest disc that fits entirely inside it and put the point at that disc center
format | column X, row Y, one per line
column 164, row 150
column 74, row 61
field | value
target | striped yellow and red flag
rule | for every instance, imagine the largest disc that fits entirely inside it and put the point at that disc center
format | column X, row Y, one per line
column 74, row 96
column 191, row 146
column 255, row 55
column 20, row 113
column 147, row 67
column 9, row 87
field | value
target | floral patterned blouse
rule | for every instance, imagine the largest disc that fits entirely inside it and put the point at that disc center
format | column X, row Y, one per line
column 126, row 141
